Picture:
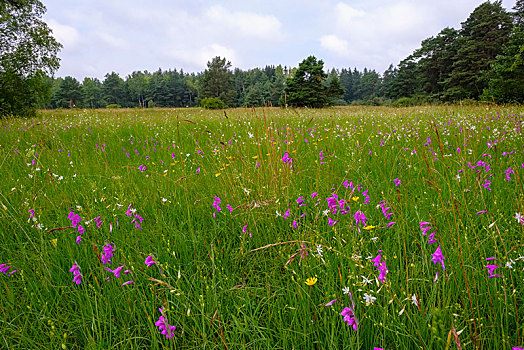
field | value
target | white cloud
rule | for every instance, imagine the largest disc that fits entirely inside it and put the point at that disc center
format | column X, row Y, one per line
column 335, row 44
column 113, row 42
column 345, row 14
column 197, row 58
column 246, row 24
column 66, row 35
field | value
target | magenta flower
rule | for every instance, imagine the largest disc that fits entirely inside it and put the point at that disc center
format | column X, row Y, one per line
column 116, row 271
column 75, row 269
column 127, row 282
column 349, row 317
column 98, row 221
column 230, row 208
column 164, row 327
column 149, row 261
column 397, row 182
column 331, row 302
column 286, row 214
column 360, row 217
column 331, row 222
column 377, row 259
column 313, row 195
column 107, row 254
column 438, row 258
column 383, row 271
column 216, row 203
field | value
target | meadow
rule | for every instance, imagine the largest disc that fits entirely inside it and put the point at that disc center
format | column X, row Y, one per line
column 340, row 228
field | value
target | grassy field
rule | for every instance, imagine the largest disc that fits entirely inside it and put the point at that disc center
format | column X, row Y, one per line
column 238, row 227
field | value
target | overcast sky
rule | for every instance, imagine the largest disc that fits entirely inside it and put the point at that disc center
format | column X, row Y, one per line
column 101, row 36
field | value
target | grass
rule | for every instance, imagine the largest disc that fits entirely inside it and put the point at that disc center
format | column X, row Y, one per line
column 229, row 288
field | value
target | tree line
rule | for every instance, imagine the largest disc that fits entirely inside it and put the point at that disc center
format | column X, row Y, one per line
column 483, row 60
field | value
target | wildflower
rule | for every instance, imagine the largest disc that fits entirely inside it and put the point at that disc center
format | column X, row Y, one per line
column 116, row 271
column 164, row 327
column 216, row 203
column 75, row 269
column 345, row 290
column 365, row 280
column 314, row 194
column 520, row 218
column 311, row 281
column 4, row 268
column 377, row 259
column 127, row 282
column 360, row 217
column 107, row 254
column 129, row 210
column 300, row 201
column 331, row 302
column 383, row 271
column 319, row 250
column 414, row 300
column 349, row 317
column 286, row 214
column 397, row 182
column 331, row 222
column 98, row 221
column 367, row 228
column 437, row 257
column 149, row 261
column 244, row 230
column 369, row 299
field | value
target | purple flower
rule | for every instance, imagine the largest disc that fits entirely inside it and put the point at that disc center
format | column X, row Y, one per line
column 4, row 268
column 75, row 269
column 116, row 271
column 377, row 259
column 349, row 317
column 107, row 254
column 331, row 302
column 149, row 261
column 127, row 282
column 216, row 203
column 98, row 221
column 331, row 222
column 286, row 214
column 360, row 217
column 165, row 328
column 437, row 257
column 383, row 271
column 397, row 182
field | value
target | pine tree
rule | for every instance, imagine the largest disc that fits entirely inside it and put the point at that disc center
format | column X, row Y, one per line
column 481, row 39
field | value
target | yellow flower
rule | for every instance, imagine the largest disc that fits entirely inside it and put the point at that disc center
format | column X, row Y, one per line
column 355, row 199
column 217, row 174
column 369, row 227
column 311, row 281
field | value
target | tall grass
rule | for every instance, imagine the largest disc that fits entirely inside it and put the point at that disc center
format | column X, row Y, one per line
column 237, row 279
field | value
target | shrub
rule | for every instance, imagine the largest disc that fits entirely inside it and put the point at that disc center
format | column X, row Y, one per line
column 113, row 105
column 212, row 103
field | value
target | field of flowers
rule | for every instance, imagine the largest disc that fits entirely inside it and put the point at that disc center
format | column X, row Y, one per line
column 342, row 228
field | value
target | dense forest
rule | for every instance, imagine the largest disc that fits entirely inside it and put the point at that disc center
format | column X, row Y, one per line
column 483, row 60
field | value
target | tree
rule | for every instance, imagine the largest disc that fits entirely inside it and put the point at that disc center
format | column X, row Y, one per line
column 217, row 81
column 112, row 89
column 506, row 82
column 482, row 38
column 69, row 93
column 305, row 88
column 92, row 93
column 27, row 50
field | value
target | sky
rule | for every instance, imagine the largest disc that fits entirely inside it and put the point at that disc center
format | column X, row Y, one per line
column 104, row 36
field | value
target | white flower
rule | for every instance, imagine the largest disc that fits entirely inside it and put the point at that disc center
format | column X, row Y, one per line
column 250, row 135
column 365, row 280
column 369, row 299
column 458, row 177
column 164, row 200
column 414, row 299
column 278, row 214
column 510, row 263
column 319, row 250
column 519, row 218
column 325, row 212
column 246, row 190
column 345, row 290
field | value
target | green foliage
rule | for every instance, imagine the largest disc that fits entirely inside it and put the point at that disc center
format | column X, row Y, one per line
column 482, row 38
column 69, row 93
column 217, row 81
column 225, row 288
column 113, row 105
column 27, row 50
column 306, row 87
column 212, row 103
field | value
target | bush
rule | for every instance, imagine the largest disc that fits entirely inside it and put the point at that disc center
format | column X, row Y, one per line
column 212, row 103
column 113, row 105
column 404, row 102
